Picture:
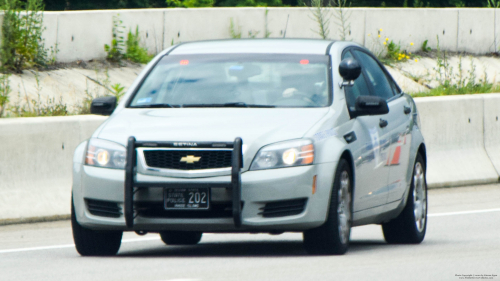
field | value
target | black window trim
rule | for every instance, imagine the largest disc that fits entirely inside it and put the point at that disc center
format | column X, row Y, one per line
column 368, row 85
column 352, row 114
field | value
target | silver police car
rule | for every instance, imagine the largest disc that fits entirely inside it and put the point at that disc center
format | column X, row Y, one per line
column 261, row 135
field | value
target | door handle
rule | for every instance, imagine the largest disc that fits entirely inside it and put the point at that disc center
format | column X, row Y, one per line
column 407, row 110
column 350, row 137
column 383, row 123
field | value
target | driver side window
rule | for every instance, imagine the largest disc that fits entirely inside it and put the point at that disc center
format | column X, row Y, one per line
column 376, row 76
column 358, row 89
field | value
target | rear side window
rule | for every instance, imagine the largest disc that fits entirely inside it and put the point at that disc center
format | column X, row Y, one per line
column 375, row 76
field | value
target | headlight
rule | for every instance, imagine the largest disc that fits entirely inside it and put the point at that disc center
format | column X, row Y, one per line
column 106, row 154
column 284, row 154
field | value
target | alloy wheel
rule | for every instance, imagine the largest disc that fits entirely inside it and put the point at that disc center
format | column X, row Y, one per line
column 344, row 207
column 419, row 197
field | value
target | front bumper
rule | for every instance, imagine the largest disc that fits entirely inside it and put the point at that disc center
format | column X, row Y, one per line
column 258, row 188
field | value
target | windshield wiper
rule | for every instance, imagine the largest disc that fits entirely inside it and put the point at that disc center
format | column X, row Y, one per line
column 235, row 104
column 156, row 105
column 261, row 106
column 229, row 104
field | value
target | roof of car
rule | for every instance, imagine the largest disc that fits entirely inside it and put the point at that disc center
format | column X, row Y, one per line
column 258, row 46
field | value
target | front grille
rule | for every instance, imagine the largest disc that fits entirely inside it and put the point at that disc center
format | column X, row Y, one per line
column 103, row 208
column 171, row 159
column 283, row 208
column 157, row 210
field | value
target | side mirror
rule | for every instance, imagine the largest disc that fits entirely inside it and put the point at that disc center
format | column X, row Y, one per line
column 103, row 106
column 371, row 105
column 350, row 70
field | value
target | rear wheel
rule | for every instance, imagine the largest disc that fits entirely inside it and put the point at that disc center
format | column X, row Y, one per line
column 332, row 238
column 410, row 226
column 181, row 237
column 90, row 242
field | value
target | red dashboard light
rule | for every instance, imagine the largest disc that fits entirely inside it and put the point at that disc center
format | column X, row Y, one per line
column 184, row 62
column 304, row 62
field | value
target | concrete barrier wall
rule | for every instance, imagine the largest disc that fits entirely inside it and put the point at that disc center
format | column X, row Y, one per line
column 462, row 135
column 36, row 157
column 455, row 131
column 492, row 129
column 81, row 35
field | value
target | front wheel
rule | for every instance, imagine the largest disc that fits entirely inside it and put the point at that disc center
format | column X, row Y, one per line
column 332, row 238
column 90, row 242
column 410, row 226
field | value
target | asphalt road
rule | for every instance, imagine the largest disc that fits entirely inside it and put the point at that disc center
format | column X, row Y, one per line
column 462, row 239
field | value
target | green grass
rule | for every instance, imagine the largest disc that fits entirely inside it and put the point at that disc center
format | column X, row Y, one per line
column 454, row 90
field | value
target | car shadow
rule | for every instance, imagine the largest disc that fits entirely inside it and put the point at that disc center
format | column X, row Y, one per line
column 242, row 249
column 366, row 245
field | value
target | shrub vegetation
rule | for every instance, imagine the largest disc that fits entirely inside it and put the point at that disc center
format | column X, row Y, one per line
column 122, row 4
column 22, row 42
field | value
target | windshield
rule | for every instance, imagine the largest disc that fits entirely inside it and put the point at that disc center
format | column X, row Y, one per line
column 236, row 80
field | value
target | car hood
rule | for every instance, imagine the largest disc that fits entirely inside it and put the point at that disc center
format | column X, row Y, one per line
column 256, row 126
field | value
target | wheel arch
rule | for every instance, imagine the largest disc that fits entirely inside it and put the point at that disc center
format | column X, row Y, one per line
column 423, row 151
column 347, row 155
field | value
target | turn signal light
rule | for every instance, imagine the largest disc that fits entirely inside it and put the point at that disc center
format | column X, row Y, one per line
column 89, row 159
column 307, row 154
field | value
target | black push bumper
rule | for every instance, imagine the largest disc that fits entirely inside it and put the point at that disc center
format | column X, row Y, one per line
column 132, row 186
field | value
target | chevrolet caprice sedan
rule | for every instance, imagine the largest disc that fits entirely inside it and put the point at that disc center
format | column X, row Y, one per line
column 268, row 136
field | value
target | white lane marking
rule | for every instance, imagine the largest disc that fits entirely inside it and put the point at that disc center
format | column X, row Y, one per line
column 463, row 213
column 181, row 280
column 158, row 238
column 37, row 248
column 72, row 245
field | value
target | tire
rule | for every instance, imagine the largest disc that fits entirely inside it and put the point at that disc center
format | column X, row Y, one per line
column 181, row 237
column 90, row 242
column 410, row 226
column 332, row 238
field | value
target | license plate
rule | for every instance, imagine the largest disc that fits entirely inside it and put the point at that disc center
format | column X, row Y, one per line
column 187, row 198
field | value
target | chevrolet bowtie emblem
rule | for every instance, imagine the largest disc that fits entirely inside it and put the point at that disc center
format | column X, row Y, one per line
column 190, row 159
